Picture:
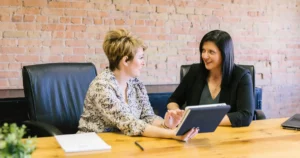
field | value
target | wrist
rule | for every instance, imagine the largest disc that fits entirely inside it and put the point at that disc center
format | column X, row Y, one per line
column 173, row 134
column 163, row 125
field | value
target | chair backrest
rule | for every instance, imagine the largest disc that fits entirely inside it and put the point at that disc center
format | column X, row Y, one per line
column 159, row 102
column 258, row 115
column 184, row 69
column 55, row 92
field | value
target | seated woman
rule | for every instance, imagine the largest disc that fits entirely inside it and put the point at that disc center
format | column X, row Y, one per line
column 217, row 80
column 117, row 101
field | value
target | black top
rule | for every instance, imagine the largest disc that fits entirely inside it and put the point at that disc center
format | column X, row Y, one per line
column 238, row 93
column 206, row 97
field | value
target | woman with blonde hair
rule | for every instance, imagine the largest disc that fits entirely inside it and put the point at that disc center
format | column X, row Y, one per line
column 117, row 101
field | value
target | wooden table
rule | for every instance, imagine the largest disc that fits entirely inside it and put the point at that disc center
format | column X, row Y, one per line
column 263, row 138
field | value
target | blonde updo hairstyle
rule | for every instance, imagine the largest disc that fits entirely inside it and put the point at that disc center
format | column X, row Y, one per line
column 118, row 44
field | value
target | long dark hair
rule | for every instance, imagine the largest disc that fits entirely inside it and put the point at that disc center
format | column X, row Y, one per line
column 224, row 42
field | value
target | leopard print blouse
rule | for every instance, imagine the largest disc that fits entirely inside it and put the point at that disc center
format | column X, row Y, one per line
column 105, row 109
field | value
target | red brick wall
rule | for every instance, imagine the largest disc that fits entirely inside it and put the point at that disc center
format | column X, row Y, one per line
column 266, row 34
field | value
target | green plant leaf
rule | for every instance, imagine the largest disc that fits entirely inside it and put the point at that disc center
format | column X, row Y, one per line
column 11, row 143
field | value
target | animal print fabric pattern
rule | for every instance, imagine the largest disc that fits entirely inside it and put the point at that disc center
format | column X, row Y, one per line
column 105, row 109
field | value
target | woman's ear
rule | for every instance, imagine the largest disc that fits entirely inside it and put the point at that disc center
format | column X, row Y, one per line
column 124, row 60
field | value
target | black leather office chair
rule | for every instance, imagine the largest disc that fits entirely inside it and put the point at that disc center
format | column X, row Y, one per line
column 55, row 93
column 258, row 114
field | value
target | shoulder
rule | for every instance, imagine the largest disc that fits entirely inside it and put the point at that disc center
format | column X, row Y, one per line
column 195, row 67
column 104, row 79
column 240, row 72
column 190, row 69
column 198, row 71
column 198, row 68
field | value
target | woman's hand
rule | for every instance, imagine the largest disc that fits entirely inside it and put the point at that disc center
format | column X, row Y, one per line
column 189, row 135
column 173, row 118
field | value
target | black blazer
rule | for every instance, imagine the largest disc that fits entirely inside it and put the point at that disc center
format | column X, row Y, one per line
column 238, row 93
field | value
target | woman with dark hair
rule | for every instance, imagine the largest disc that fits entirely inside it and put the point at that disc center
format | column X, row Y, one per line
column 217, row 80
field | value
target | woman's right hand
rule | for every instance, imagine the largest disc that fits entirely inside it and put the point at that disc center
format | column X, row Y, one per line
column 190, row 134
column 173, row 118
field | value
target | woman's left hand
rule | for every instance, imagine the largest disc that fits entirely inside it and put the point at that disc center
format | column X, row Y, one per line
column 173, row 118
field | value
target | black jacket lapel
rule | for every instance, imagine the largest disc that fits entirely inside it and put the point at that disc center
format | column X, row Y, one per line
column 196, row 91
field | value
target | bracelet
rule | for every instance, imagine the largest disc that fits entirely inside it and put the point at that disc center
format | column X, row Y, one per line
column 164, row 125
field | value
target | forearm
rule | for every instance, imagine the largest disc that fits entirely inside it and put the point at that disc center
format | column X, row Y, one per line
column 158, row 122
column 158, row 132
column 153, row 131
column 172, row 106
column 240, row 118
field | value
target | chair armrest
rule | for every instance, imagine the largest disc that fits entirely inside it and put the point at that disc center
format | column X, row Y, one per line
column 259, row 115
column 40, row 129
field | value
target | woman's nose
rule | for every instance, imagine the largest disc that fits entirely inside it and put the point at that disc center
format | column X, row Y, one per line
column 204, row 55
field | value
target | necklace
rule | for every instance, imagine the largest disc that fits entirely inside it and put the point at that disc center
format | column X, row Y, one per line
column 217, row 87
column 214, row 90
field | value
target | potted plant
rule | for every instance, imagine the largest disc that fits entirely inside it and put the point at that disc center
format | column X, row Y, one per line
column 11, row 143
